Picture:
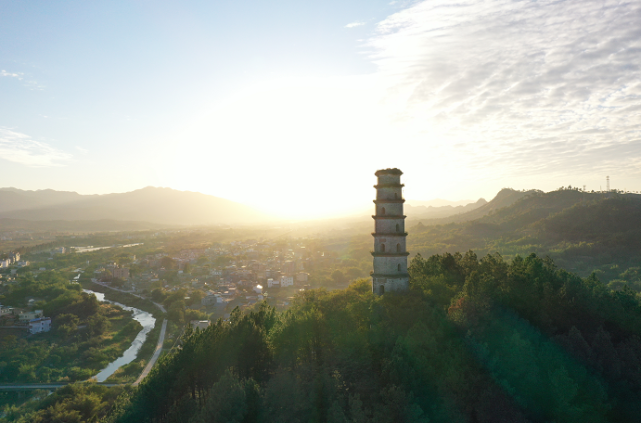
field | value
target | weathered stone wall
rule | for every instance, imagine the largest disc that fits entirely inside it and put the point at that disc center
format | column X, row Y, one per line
column 390, row 285
column 389, row 265
column 390, row 209
column 391, row 243
column 388, row 226
column 389, row 179
column 389, row 193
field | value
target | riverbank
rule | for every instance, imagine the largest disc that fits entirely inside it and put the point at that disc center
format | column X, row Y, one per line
column 125, row 298
column 133, row 370
column 145, row 319
column 69, row 352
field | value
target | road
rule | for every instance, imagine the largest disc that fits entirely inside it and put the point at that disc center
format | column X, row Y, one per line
column 161, row 340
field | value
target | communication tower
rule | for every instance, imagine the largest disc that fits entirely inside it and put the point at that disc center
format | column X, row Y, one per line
column 607, row 184
column 390, row 255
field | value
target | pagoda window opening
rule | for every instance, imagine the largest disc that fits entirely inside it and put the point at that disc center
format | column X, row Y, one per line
column 382, row 248
column 398, row 248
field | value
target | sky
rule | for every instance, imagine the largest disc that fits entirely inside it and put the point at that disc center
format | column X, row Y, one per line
column 291, row 106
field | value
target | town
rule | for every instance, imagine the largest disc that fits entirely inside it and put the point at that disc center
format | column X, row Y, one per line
column 197, row 285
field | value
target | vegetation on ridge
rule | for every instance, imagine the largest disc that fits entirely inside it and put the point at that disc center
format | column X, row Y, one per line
column 476, row 340
column 583, row 232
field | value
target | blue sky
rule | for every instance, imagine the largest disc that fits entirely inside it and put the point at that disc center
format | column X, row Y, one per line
column 251, row 100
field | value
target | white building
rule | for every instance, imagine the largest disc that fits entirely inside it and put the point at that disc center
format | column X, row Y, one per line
column 286, row 281
column 258, row 289
column 40, row 325
column 271, row 283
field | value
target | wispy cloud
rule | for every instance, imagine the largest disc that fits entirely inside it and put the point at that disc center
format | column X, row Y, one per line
column 354, row 24
column 11, row 74
column 20, row 148
column 519, row 86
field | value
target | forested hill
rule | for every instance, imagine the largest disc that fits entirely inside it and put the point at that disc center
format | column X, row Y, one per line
column 581, row 231
column 474, row 341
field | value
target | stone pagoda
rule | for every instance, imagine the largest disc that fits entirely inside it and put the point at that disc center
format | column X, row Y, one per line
column 390, row 254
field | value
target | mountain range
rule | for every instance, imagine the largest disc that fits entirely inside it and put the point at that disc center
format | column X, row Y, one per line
column 443, row 211
column 159, row 206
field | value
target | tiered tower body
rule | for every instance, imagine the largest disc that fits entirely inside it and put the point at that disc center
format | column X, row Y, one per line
column 390, row 254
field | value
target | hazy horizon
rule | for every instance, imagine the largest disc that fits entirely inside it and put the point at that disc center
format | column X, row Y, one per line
column 359, row 210
column 291, row 107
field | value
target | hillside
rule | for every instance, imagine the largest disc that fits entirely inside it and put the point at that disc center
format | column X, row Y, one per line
column 475, row 341
column 159, row 206
column 102, row 225
column 15, row 199
column 582, row 231
column 504, row 198
column 438, row 212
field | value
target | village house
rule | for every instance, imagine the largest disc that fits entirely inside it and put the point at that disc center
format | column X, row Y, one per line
column 42, row 324
column 6, row 311
column 27, row 316
column 286, row 281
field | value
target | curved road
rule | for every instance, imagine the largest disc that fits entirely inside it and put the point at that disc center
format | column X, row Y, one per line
column 161, row 340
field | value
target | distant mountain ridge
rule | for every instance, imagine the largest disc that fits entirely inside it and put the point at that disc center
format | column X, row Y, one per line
column 436, row 212
column 506, row 197
column 163, row 206
column 437, row 202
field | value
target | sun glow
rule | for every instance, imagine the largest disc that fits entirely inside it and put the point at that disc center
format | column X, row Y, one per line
column 299, row 149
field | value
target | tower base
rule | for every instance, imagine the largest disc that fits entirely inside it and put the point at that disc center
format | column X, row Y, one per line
column 382, row 284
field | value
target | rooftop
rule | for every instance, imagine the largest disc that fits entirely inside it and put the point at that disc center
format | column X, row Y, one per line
column 388, row 171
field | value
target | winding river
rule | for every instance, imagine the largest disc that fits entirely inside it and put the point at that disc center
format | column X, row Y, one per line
column 145, row 319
